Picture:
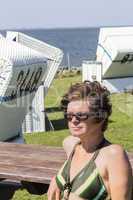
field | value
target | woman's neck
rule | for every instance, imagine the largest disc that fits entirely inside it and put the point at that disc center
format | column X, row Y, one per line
column 93, row 143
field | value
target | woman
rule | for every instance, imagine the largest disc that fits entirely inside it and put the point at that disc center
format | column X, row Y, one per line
column 95, row 168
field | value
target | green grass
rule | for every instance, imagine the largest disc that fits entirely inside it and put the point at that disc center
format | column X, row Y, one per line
column 24, row 195
column 58, row 88
column 120, row 129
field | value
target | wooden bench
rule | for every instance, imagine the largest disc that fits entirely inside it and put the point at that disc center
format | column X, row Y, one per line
column 32, row 163
column 28, row 166
column 35, row 163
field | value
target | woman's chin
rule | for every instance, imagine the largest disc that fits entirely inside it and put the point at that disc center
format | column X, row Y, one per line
column 76, row 134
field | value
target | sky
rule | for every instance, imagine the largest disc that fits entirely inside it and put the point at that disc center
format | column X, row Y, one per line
column 15, row 14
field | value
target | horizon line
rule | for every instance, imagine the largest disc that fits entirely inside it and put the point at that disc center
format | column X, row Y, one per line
column 52, row 28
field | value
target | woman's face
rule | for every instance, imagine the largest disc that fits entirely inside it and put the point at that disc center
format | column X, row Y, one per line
column 84, row 127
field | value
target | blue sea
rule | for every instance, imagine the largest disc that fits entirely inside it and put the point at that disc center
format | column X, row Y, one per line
column 78, row 44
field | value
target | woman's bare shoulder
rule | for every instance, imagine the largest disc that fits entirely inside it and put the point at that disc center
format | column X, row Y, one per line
column 69, row 144
column 114, row 150
column 114, row 153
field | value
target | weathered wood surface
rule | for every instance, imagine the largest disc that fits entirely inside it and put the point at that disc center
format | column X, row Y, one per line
column 33, row 163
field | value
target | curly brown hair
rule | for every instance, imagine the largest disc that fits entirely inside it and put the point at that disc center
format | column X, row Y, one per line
column 98, row 97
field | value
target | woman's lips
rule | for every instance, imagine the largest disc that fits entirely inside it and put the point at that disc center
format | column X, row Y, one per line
column 76, row 128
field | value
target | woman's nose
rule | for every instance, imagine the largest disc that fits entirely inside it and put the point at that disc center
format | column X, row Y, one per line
column 74, row 119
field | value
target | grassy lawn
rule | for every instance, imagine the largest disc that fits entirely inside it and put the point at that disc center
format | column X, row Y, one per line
column 120, row 128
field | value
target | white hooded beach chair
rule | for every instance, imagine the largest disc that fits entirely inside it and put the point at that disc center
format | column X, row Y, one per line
column 26, row 64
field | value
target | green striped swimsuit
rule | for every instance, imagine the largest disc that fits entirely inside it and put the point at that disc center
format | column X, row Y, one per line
column 87, row 184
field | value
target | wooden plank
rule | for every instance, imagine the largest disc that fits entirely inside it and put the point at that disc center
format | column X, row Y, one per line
column 39, row 175
column 35, row 163
column 28, row 161
column 30, row 148
column 32, row 151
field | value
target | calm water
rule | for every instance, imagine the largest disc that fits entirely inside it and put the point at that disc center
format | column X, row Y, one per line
column 77, row 44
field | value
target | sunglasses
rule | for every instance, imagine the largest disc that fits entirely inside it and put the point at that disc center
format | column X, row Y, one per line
column 80, row 116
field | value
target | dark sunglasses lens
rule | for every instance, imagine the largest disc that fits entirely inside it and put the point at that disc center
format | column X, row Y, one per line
column 82, row 116
column 68, row 116
column 78, row 116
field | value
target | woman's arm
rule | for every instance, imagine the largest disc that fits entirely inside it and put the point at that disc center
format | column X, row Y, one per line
column 120, row 174
column 53, row 191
